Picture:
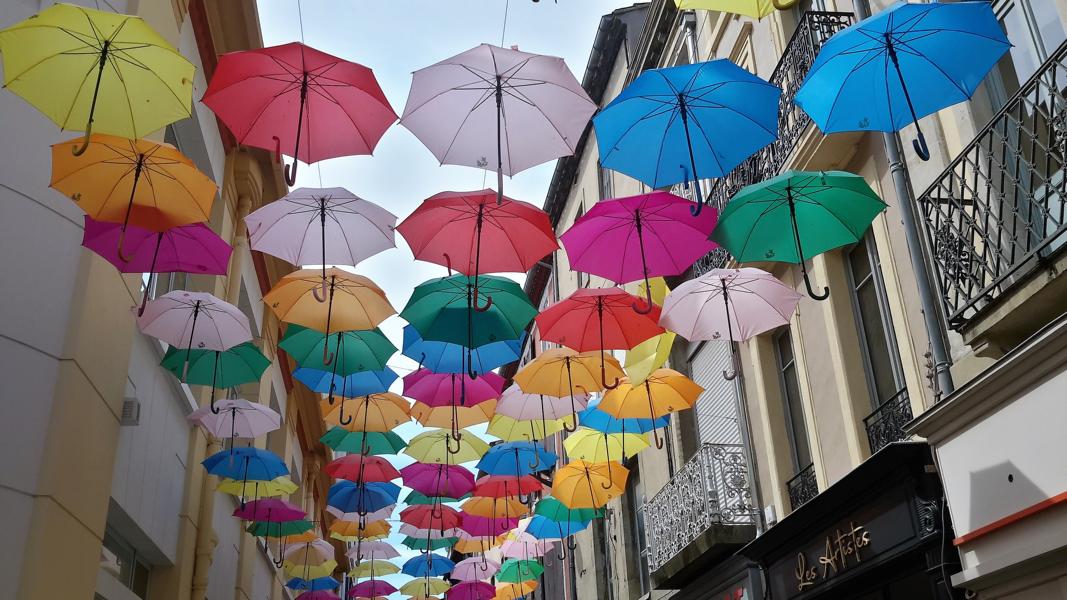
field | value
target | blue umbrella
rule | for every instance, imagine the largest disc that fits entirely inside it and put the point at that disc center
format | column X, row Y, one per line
column 594, row 418
column 312, row 585
column 900, row 65
column 543, row 528
column 428, row 565
column 445, row 357
column 348, row 497
column 357, row 384
column 682, row 123
column 247, row 464
column 516, row 458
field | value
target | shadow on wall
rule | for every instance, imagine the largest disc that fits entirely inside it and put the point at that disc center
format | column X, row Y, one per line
column 998, row 491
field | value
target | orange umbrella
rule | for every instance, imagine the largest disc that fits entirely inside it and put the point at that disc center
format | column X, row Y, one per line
column 444, row 416
column 663, row 392
column 581, row 484
column 350, row 531
column 511, row 591
column 480, row 506
column 374, row 412
column 470, row 545
column 560, row 371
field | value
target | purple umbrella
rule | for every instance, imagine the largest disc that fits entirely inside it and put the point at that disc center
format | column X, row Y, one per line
column 471, row 590
column 270, row 510
column 186, row 249
column 743, row 302
column 371, row 589
column 523, row 108
column 236, row 418
column 452, row 481
column 486, row 526
column 195, row 320
column 637, row 237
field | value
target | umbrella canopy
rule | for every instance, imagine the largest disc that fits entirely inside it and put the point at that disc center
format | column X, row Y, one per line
column 740, row 302
column 598, row 319
column 351, row 531
column 456, row 417
column 594, row 418
column 366, row 498
column 503, row 486
column 517, row 404
column 768, row 220
column 381, row 514
column 438, row 480
column 523, row 545
column 511, row 591
column 361, row 468
column 757, row 9
column 686, row 123
column 580, row 484
column 319, row 584
column 635, row 238
column 445, row 389
column 492, row 507
column 279, row 486
column 431, row 533
column 652, row 353
column 475, row 569
column 241, row 364
column 279, row 530
column 108, row 71
column 350, row 386
column 663, row 392
column 527, row 430
column 551, row 508
column 469, row 544
column 488, row 526
column 294, row 96
column 245, row 464
column 373, row 412
column 236, row 418
column 428, row 565
column 560, row 371
column 269, row 510
column 516, row 458
column 429, row 545
column 444, row 310
column 372, row 588
column 904, row 63
column 518, row 570
column 415, row 497
column 428, row 516
column 433, row 447
column 521, row 109
column 353, row 301
column 371, row 551
column 299, row 569
column 191, row 320
column 319, row 548
column 595, row 446
column 353, row 351
column 369, row 442
column 374, row 568
column 445, row 357
column 425, row 586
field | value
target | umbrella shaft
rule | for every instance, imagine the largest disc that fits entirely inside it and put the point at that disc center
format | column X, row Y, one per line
column 133, row 192
column 99, row 76
column 689, row 144
column 499, row 144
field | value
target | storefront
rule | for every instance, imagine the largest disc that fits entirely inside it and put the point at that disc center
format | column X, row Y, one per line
column 736, row 578
column 877, row 534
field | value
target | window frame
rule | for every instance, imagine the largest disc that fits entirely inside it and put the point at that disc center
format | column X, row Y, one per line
column 791, row 432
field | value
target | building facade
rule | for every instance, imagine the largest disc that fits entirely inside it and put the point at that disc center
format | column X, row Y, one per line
column 101, row 473
column 810, row 450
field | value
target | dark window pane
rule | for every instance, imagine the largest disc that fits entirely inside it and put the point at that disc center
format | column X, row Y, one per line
column 794, row 409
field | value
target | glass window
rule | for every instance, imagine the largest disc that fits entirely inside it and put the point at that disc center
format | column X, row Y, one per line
column 607, row 184
column 1035, row 31
column 119, row 559
column 874, row 322
column 794, row 410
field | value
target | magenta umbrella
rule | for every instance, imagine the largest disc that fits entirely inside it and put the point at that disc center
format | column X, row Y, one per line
column 471, row 590
column 318, row 595
column 637, row 237
column 442, row 389
column 743, row 302
column 270, row 510
column 186, row 249
column 195, row 320
column 475, row 569
column 371, row 589
column 487, row 526
column 450, row 481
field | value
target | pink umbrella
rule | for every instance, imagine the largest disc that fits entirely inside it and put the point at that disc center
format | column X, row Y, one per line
column 270, row 510
column 452, row 481
column 195, row 320
column 475, row 569
column 523, row 108
column 743, row 302
column 471, row 590
column 328, row 226
column 378, row 515
column 525, row 546
column 372, row 551
column 486, row 526
column 649, row 235
column 443, row 389
column 236, row 418
column 320, row 547
column 318, row 595
column 371, row 588
column 186, row 249
column 517, row 404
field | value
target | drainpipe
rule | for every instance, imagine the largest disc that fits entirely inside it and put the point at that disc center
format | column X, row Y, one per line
column 928, row 299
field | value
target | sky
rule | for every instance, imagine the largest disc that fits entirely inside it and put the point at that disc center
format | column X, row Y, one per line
column 394, row 38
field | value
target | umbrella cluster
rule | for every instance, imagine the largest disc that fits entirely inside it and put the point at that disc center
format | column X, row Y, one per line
column 499, row 504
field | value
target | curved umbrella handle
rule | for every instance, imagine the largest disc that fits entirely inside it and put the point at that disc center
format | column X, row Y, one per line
column 214, row 410
column 327, row 356
column 571, row 544
column 610, row 484
column 481, row 308
column 448, row 263
column 85, row 141
column 658, row 439
column 525, row 500
column 562, row 554
column 122, row 239
column 648, row 301
column 811, row 291
column 783, row 5
column 696, row 210
column 729, row 375
column 341, row 417
column 290, row 173
column 573, row 426
column 536, row 463
column 448, row 445
column 604, row 381
column 920, row 146
column 319, row 291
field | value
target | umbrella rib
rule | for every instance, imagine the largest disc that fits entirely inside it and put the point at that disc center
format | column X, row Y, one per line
column 329, row 95
column 463, row 123
column 935, row 66
column 874, row 53
column 675, row 112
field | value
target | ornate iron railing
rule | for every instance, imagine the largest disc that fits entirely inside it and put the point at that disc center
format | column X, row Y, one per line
column 711, row 489
column 814, row 29
column 803, row 487
column 886, row 424
column 997, row 211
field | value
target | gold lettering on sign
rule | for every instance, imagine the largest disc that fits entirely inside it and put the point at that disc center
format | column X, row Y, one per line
column 840, row 548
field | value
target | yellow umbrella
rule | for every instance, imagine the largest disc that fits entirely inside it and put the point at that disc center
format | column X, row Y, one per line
column 350, row 531
column 596, row 447
column 310, row 571
column 425, row 586
column 757, row 9
column 665, row 391
column 652, row 353
column 84, row 68
column 281, row 486
column 433, row 447
column 375, row 412
column 480, row 506
column 445, row 416
column 511, row 591
column 581, row 484
column 515, row 430
column 562, row 372
column 374, row 568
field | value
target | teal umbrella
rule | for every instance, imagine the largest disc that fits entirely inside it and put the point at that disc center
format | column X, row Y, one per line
column 797, row 215
column 424, row 545
column 516, row 571
column 241, row 364
column 419, row 498
column 357, row 350
column 358, row 442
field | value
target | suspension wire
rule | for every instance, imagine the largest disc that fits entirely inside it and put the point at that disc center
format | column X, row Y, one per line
column 504, row 29
column 300, row 16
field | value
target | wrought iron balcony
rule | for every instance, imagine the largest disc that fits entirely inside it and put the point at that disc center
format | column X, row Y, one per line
column 711, row 489
column 997, row 212
column 886, row 424
column 803, row 487
column 814, row 29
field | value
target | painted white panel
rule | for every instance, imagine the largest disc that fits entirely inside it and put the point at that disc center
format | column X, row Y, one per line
column 262, row 578
column 222, row 577
column 716, row 409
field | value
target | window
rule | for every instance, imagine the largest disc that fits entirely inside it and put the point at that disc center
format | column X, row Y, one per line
column 636, row 500
column 119, row 558
column 606, row 182
column 583, row 278
column 873, row 321
column 794, row 411
column 276, row 438
column 1035, row 31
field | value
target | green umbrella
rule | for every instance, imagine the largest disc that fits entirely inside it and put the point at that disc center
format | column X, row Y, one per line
column 377, row 443
column 797, row 215
column 265, row 528
column 243, row 363
column 418, row 498
column 357, row 351
column 551, row 508
column 445, row 310
column 517, row 571
column 421, row 543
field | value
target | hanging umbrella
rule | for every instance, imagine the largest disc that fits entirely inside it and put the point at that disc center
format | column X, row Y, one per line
column 516, row 458
column 452, row 228
column 350, row 386
column 372, row 551
column 488, row 526
column 512, row 591
column 328, row 225
column 191, row 320
column 523, row 545
column 351, row 531
column 318, row 547
column 300, row 569
column 663, row 392
column 503, row 486
column 682, row 123
column 382, row 514
column 516, row 430
column 743, row 302
column 475, row 569
column 521, row 406
column 279, row 486
column 428, row 565
column 580, row 484
column 437, row 481
column 425, row 586
column 594, row 418
column 184, row 249
column 652, row 353
column 354, row 351
column 422, row 544
column 374, row 568
column 595, row 446
column 551, row 508
column 765, row 221
column 598, row 319
column 433, row 447
column 445, row 357
column 431, row 533
column 635, row 238
column 279, row 531
column 431, row 517
column 363, row 442
column 236, row 418
column 372, row 588
column 454, row 417
column 523, row 109
column 245, row 464
column 443, row 389
column 299, row 97
column 470, row 544
column 106, row 70
column 415, row 497
column 543, row 528
column 360, row 468
column 518, row 570
column 229, row 368
column 559, row 371
column 757, row 9
column 491, row 507
column 318, row 595
column 313, row 585
column 373, row 412
column 906, row 62
column 362, row 498
column 269, row 510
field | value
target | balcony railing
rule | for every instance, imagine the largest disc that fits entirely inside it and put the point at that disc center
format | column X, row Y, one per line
column 886, row 424
column 803, row 487
column 997, row 211
column 814, row 29
column 711, row 489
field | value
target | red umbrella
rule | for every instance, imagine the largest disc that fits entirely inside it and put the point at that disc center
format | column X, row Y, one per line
column 431, row 516
column 293, row 95
column 598, row 319
column 503, row 486
column 452, row 228
column 361, row 468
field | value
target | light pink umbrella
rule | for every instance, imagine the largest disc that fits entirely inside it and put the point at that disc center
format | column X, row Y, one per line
column 728, row 304
column 378, row 515
column 372, row 551
column 319, row 547
column 433, row 533
column 195, row 320
column 524, row 545
column 236, row 418
column 328, row 226
column 519, row 405
column 495, row 108
column 475, row 569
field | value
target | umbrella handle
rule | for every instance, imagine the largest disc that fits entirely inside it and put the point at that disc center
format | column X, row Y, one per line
column 122, row 238
column 571, row 544
column 783, row 5
column 214, row 410
column 488, row 302
column 448, row 444
column 604, row 382
column 658, row 439
column 290, row 173
column 448, row 263
column 811, row 291
column 319, row 291
column 562, row 554
column 144, row 296
column 920, row 146
column 648, row 300
column 341, row 417
column 571, row 428
column 85, row 141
